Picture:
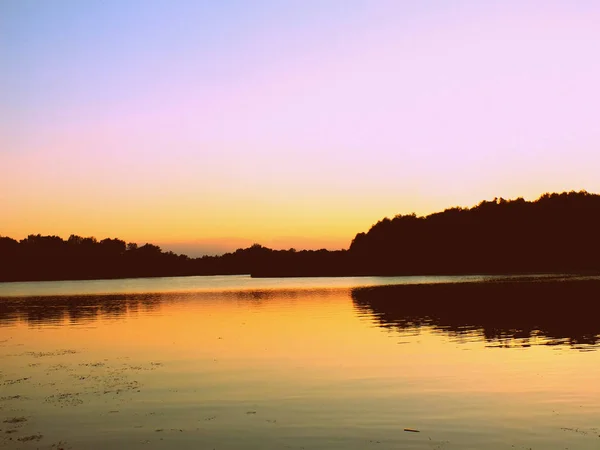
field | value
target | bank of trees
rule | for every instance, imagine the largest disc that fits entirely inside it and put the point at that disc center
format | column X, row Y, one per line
column 556, row 233
column 40, row 257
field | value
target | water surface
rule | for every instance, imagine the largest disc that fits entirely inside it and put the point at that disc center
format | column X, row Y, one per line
column 305, row 363
column 221, row 283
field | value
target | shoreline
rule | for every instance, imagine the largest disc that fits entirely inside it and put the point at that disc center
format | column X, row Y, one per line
column 268, row 275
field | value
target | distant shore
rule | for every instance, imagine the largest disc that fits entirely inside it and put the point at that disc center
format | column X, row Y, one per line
column 504, row 277
column 558, row 233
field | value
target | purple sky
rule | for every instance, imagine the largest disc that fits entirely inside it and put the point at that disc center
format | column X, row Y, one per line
column 207, row 126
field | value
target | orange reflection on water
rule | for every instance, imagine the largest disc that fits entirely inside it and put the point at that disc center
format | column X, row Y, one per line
column 304, row 334
column 308, row 357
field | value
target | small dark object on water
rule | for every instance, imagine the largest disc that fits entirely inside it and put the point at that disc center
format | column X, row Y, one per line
column 16, row 420
column 33, row 437
column 412, row 430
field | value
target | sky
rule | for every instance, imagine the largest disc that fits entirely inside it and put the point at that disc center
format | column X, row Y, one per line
column 206, row 126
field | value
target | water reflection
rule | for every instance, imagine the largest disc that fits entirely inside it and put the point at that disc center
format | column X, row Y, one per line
column 79, row 309
column 54, row 310
column 505, row 314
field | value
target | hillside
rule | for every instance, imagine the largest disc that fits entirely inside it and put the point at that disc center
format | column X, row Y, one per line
column 557, row 232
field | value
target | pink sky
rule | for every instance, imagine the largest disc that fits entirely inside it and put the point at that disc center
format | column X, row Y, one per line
column 209, row 127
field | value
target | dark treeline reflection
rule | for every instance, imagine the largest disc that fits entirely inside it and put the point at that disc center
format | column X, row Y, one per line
column 556, row 233
column 81, row 309
column 508, row 313
column 75, row 309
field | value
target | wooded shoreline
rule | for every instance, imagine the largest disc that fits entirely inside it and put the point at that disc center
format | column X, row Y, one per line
column 557, row 233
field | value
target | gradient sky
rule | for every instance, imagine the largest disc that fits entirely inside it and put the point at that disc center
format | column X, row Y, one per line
column 204, row 126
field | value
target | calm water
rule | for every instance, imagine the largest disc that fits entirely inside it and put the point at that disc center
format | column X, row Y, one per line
column 218, row 283
column 236, row 363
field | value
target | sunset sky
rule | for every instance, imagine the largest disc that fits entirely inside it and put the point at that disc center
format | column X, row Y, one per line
column 204, row 126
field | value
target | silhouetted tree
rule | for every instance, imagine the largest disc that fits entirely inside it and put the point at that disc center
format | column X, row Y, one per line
column 556, row 233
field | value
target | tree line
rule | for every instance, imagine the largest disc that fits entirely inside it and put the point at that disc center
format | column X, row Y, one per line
column 40, row 257
column 555, row 233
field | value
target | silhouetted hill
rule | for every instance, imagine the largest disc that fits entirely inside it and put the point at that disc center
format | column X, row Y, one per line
column 556, row 233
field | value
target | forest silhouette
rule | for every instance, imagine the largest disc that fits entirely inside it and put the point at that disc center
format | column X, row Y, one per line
column 556, row 233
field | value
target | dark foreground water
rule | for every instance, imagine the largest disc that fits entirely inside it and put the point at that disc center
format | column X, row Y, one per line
column 234, row 363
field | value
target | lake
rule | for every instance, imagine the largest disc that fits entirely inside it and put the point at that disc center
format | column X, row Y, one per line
column 315, row 363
